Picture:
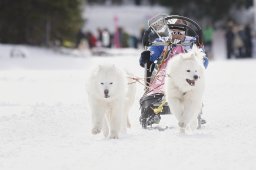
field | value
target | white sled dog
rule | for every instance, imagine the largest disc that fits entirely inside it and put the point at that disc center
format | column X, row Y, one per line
column 111, row 93
column 184, row 87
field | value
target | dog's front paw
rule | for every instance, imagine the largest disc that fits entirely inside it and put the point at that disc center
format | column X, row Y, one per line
column 95, row 130
column 182, row 125
column 114, row 135
column 182, row 130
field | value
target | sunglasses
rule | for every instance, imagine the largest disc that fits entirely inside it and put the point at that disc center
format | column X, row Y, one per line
column 178, row 32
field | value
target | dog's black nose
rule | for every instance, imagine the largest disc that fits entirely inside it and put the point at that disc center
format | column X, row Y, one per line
column 106, row 92
column 195, row 77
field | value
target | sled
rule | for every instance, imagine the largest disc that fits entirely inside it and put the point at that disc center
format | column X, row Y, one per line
column 153, row 104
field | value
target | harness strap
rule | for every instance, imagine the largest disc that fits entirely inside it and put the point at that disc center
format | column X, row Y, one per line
column 160, row 108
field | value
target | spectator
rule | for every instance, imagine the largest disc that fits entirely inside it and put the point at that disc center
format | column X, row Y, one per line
column 123, row 38
column 207, row 35
column 229, row 35
column 133, row 41
column 79, row 38
column 92, row 40
column 238, row 42
column 106, row 38
column 99, row 36
column 248, row 41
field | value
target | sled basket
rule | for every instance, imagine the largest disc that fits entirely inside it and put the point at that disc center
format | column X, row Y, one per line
column 148, row 103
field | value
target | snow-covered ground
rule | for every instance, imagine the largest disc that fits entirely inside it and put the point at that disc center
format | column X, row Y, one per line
column 45, row 121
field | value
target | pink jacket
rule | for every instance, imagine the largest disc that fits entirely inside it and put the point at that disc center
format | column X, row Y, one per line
column 157, row 81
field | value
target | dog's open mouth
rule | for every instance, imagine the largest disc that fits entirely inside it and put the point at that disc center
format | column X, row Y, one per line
column 190, row 82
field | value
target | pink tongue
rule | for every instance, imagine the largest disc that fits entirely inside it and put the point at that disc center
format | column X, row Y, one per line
column 191, row 82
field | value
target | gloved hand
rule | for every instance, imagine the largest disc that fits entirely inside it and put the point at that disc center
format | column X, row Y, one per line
column 148, row 37
column 144, row 58
column 145, row 41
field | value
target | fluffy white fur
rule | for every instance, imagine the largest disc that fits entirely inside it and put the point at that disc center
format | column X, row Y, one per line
column 111, row 95
column 184, row 87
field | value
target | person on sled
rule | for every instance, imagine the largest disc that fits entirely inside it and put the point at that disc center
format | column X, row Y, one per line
column 161, row 47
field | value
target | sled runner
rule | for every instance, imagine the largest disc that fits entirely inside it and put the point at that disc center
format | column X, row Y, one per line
column 153, row 103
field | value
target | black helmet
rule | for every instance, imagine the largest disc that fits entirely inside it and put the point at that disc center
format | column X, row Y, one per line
column 177, row 24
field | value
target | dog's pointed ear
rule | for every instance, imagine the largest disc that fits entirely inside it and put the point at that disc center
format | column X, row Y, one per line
column 194, row 48
column 198, row 51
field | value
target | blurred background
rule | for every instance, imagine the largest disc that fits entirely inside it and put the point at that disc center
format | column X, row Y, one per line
column 93, row 25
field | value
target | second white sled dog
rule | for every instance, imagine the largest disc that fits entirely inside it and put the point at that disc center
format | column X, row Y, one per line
column 111, row 95
column 184, row 87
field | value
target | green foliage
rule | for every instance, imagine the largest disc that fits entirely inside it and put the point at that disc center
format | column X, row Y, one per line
column 32, row 21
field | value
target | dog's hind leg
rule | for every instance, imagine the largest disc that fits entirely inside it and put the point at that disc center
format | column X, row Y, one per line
column 130, row 98
column 194, row 124
column 125, row 118
column 128, row 122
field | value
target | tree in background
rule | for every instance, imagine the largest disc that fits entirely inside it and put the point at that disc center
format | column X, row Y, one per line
column 38, row 22
column 214, row 9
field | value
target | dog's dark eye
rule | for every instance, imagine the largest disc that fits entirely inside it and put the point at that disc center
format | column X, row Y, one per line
column 102, row 83
column 188, row 71
column 111, row 83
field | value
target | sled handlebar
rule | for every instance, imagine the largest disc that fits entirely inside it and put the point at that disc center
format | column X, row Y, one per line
column 168, row 43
